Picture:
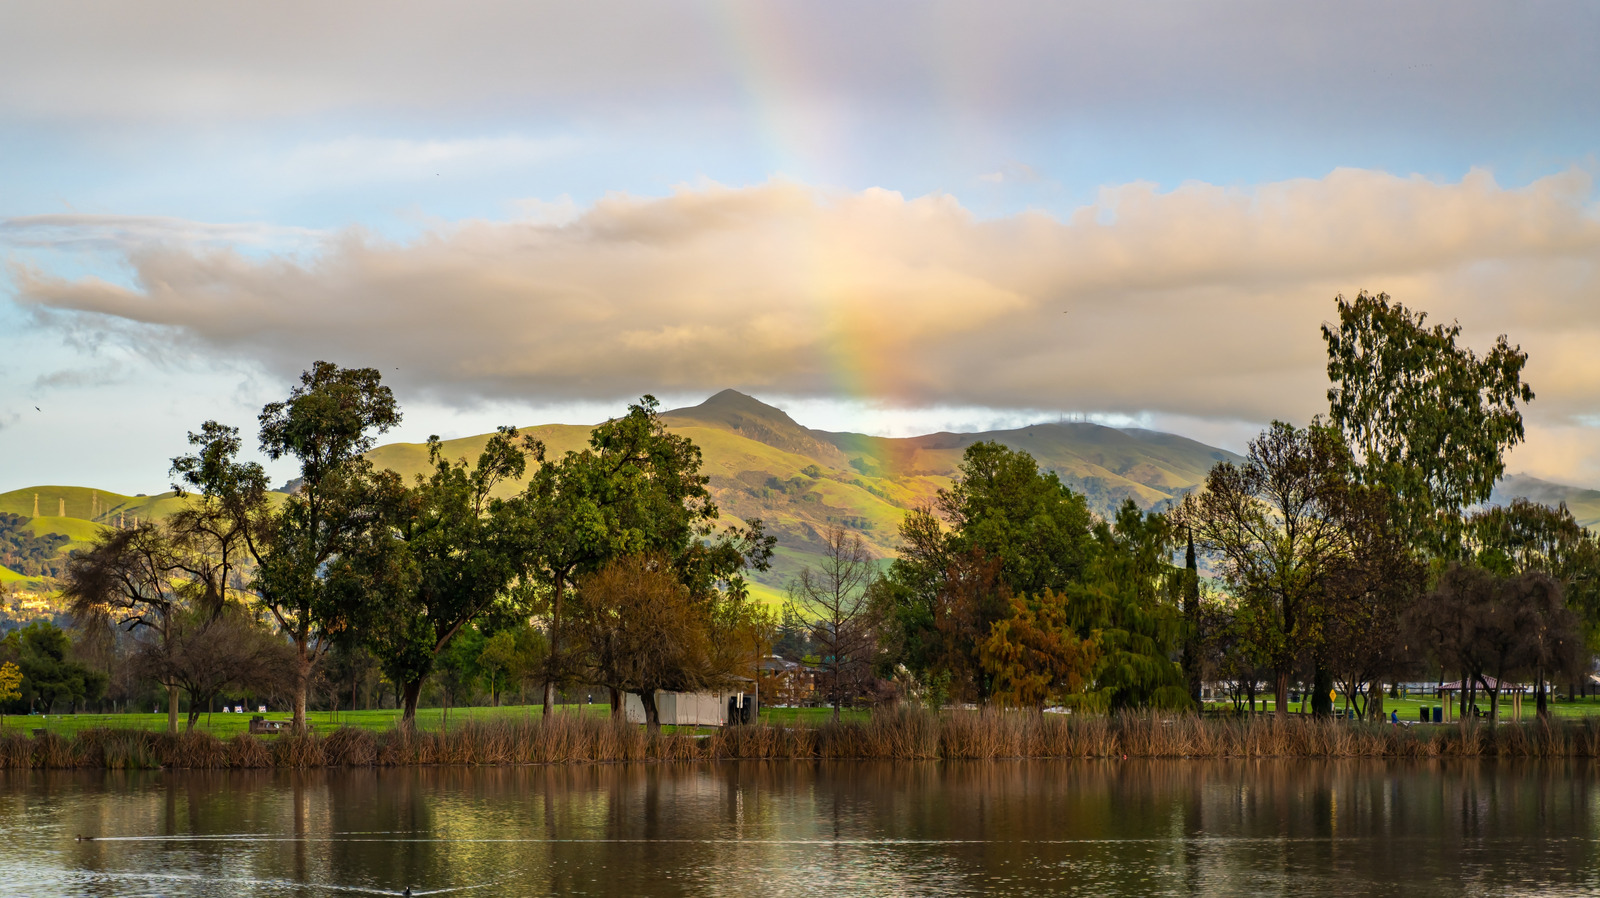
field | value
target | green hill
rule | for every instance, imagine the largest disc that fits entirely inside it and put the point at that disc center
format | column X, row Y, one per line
column 763, row 464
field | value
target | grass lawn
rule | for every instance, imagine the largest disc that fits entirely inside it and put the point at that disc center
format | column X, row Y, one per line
column 225, row 725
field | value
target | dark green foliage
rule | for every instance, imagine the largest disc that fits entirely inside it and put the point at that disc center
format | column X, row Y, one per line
column 1003, row 505
column 441, row 553
column 1128, row 601
column 50, row 675
column 636, row 490
column 29, row 554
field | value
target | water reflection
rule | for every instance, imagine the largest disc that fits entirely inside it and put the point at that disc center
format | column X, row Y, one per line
column 1132, row 827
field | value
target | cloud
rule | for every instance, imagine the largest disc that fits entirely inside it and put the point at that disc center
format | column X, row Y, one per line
column 1010, row 60
column 123, row 233
column 1201, row 302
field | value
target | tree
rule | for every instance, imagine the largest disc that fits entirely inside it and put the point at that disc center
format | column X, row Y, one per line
column 49, row 673
column 1127, row 603
column 459, row 672
column 1277, row 524
column 1032, row 654
column 1005, row 523
column 1523, row 536
column 834, row 598
column 327, row 424
column 643, row 632
column 1003, row 504
column 209, row 653
column 134, row 580
column 10, row 687
column 1428, row 419
column 1493, row 627
column 1368, row 594
column 498, row 659
column 637, row 489
column 442, row 555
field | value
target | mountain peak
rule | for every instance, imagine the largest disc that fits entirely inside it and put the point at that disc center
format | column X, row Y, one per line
column 736, row 403
column 751, row 418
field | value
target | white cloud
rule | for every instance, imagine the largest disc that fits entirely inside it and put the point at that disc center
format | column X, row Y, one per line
column 1201, row 302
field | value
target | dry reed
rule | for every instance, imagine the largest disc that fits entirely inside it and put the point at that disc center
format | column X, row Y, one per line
column 903, row 735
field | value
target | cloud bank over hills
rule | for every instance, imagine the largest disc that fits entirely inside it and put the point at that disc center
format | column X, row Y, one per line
column 1202, row 301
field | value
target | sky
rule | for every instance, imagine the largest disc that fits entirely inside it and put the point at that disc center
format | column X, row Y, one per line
column 892, row 217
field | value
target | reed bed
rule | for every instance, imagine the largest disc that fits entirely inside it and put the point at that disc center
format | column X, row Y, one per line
column 897, row 735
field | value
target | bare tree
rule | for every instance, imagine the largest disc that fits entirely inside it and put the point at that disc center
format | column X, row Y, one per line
column 1491, row 628
column 131, row 579
column 206, row 654
column 834, row 598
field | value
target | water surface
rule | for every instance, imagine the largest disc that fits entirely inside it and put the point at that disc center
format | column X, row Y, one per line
column 1022, row 827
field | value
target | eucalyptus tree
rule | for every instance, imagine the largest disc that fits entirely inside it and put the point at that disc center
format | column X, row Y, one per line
column 327, row 424
column 1426, row 418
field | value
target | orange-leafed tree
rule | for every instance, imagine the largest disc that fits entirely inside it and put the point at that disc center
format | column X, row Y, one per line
column 1033, row 656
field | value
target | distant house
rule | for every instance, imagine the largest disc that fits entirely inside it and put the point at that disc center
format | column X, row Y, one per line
column 785, row 682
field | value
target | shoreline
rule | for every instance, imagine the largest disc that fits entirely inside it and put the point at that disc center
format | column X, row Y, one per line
column 905, row 735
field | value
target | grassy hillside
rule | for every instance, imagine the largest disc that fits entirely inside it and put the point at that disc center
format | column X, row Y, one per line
column 9, row 576
column 763, row 464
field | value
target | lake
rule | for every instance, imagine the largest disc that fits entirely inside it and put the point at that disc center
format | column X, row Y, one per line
column 795, row 828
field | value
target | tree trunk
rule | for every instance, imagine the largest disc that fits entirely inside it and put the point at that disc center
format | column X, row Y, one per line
column 1375, row 701
column 302, row 684
column 1280, row 695
column 1543, row 708
column 652, row 715
column 409, row 694
column 553, row 662
column 1321, row 686
column 194, row 715
column 172, row 708
column 617, row 709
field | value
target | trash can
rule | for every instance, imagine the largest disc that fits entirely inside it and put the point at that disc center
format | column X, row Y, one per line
column 1425, row 713
column 1438, row 713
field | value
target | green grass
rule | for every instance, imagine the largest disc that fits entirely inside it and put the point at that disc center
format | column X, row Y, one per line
column 225, row 725
column 79, row 531
column 7, row 575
